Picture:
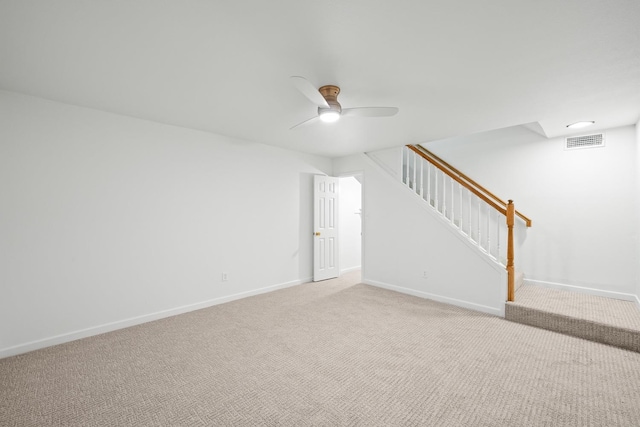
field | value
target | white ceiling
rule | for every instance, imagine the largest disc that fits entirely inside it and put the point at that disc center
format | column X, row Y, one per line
column 453, row 67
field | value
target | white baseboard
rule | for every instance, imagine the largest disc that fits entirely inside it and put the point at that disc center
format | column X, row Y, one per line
column 350, row 269
column 438, row 298
column 638, row 301
column 125, row 323
column 584, row 290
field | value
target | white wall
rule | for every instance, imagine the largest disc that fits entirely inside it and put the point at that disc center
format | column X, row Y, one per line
column 389, row 160
column 583, row 203
column 350, row 228
column 403, row 238
column 637, row 193
column 108, row 221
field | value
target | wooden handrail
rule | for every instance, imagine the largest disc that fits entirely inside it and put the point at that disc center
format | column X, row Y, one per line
column 460, row 174
column 493, row 204
column 464, row 180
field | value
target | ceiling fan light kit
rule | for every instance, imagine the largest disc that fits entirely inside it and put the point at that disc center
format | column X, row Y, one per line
column 328, row 115
column 329, row 109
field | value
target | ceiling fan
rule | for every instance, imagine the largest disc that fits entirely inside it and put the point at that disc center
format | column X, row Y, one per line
column 329, row 109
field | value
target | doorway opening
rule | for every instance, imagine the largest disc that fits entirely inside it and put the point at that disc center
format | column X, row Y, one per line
column 350, row 217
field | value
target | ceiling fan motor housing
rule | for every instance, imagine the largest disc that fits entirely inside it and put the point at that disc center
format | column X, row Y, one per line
column 329, row 109
column 330, row 94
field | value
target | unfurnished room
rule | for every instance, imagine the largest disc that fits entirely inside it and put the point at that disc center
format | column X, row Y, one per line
column 330, row 213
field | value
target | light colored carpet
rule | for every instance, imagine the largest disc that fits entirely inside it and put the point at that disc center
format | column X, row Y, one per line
column 324, row 354
column 615, row 312
column 604, row 320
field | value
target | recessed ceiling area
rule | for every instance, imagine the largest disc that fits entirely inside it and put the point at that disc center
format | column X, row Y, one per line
column 451, row 67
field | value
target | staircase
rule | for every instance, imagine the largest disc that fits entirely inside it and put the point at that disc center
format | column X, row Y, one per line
column 604, row 320
column 480, row 215
column 486, row 220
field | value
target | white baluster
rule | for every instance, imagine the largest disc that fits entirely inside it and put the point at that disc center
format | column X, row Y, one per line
column 453, row 205
column 444, row 195
column 479, row 228
column 422, row 162
column 460, row 191
column 409, row 162
column 429, row 168
column 435, row 196
column 413, row 170
column 469, row 215
column 410, row 173
column 447, row 198
column 488, row 229
column 498, row 226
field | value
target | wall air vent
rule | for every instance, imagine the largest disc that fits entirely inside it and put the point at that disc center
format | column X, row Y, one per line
column 584, row 141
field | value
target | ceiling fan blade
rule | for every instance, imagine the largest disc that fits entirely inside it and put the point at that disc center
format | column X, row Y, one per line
column 307, row 89
column 370, row 111
column 312, row 119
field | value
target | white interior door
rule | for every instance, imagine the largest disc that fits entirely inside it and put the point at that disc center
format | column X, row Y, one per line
column 325, row 223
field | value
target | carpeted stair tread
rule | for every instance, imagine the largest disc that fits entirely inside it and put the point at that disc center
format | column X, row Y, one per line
column 604, row 320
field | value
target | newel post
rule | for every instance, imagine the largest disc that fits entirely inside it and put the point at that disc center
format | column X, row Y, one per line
column 511, row 274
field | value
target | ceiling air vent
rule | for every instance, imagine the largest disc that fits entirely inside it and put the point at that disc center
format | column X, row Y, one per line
column 584, row 141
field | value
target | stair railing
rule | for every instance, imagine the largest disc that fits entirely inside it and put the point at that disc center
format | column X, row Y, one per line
column 466, row 205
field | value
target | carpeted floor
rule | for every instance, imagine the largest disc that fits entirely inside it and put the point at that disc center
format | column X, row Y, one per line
column 324, row 354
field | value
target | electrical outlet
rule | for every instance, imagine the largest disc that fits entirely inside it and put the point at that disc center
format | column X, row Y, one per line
column 425, row 274
column 225, row 277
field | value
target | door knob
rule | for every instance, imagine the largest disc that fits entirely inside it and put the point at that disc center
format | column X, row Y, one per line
column 317, row 233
